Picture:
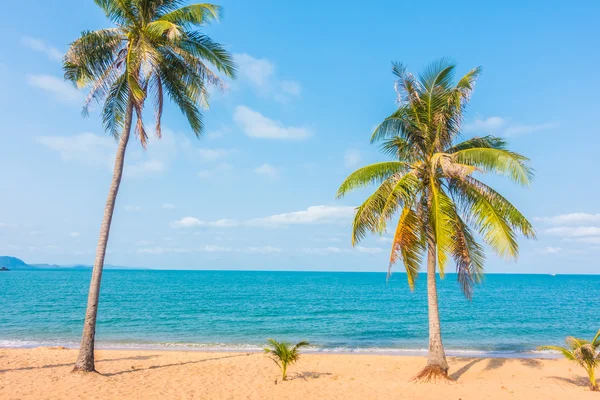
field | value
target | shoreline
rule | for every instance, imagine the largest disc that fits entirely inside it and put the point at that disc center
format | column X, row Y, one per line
column 232, row 348
column 140, row 374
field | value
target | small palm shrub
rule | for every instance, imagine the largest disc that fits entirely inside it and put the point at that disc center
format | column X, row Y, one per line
column 583, row 352
column 284, row 354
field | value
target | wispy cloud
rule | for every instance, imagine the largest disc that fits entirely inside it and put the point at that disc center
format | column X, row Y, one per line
column 216, row 171
column 169, row 206
column 267, row 170
column 145, row 168
column 565, row 231
column 312, row 215
column 74, row 234
column 211, row 248
column 212, row 155
column 62, row 91
column 351, row 158
column 131, row 208
column 191, row 222
column 503, row 126
column 551, row 250
column 336, row 250
column 87, row 148
column 260, row 74
column 572, row 218
column 256, row 125
column 40, row 46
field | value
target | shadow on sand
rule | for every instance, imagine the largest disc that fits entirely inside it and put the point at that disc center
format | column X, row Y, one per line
column 583, row 382
column 173, row 364
column 73, row 363
column 494, row 363
column 308, row 375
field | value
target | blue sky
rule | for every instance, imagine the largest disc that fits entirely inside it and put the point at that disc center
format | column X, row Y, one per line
column 257, row 192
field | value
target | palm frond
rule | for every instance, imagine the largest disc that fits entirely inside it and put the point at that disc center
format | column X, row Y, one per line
column 371, row 174
column 443, row 218
column 408, row 245
column 468, row 255
column 497, row 161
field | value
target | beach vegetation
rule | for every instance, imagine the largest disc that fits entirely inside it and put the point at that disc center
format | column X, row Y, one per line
column 432, row 184
column 154, row 51
column 284, row 354
column 585, row 353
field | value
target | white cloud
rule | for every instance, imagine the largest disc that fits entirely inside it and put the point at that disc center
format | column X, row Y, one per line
column 191, row 222
column 257, row 72
column 267, row 170
column 256, row 125
column 262, row 250
column 5, row 225
column 312, row 215
column 218, row 133
column 337, row 250
column 38, row 45
column 260, row 74
column 503, row 126
column 216, row 249
column 324, row 250
column 131, row 208
column 74, row 234
column 60, row 90
column 86, row 148
column 565, row 231
column 491, row 124
column 369, row 250
column 551, row 250
column 351, row 158
column 212, row 155
column 516, row 130
column 169, row 206
column 210, row 248
column 385, row 239
column 217, row 171
column 145, row 168
column 291, row 87
column 162, row 250
column 587, row 240
column 572, row 218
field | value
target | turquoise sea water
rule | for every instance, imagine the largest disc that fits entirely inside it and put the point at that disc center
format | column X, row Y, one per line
column 359, row 312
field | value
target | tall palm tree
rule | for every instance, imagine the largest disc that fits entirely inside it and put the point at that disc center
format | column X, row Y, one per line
column 432, row 185
column 154, row 48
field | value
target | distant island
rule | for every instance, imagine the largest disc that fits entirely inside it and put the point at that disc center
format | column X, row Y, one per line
column 8, row 263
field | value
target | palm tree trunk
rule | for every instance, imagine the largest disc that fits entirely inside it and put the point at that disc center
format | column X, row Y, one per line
column 85, row 359
column 592, row 376
column 437, row 366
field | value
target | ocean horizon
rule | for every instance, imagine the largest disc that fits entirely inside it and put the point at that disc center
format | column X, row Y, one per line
column 345, row 312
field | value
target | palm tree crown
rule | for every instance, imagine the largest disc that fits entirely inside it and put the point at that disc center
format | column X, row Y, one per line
column 583, row 352
column 284, row 354
column 154, row 48
column 431, row 181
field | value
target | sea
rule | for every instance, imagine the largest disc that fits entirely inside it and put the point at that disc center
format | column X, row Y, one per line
column 508, row 316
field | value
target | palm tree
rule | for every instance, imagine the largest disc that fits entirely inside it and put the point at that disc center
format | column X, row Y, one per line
column 284, row 354
column 154, row 48
column 584, row 353
column 431, row 183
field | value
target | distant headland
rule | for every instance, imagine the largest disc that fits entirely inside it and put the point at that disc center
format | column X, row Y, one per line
column 8, row 263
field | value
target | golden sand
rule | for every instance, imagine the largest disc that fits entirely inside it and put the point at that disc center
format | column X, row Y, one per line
column 44, row 373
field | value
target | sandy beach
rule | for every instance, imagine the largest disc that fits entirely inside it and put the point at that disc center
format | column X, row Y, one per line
column 44, row 373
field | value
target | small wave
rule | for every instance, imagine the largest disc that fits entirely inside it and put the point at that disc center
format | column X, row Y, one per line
column 249, row 347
